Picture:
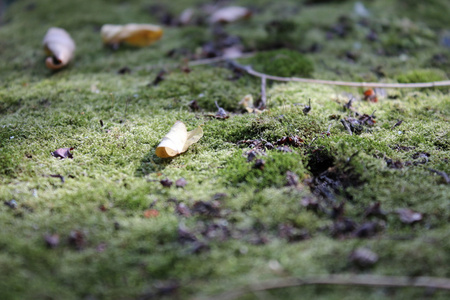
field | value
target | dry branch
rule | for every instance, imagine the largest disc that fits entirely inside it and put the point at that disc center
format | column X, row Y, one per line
column 352, row 280
column 250, row 71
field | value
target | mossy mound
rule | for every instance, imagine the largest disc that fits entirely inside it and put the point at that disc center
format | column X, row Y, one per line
column 284, row 63
column 422, row 75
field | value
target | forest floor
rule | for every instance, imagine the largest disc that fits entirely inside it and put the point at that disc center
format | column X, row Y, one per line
column 289, row 192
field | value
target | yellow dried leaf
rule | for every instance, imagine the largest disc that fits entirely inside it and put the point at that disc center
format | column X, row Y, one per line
column 132, row 34
column 247, row 104
column 178, row 140
column 230, row 14
column 59, row 46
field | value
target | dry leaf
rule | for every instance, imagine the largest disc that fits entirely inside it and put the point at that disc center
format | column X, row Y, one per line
column 247, row 104
column 132, row 34
column 186, row 16
column 230, row 14
column 151, row 213
column 178, row 140
column 59, row 47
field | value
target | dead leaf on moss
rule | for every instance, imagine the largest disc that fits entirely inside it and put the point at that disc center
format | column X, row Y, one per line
column 151, row 213
column 408, row 216
column 63, row 153
column 230, row 14
column 178, row 140
column 221, row 113
column 248, row 105
column 59, row 47
column 139, row 35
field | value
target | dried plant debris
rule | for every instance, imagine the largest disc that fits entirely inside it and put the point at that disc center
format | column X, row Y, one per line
column 367, row 230
column 358, row 125
column 51, row 240
column 63, row 153
column 230, row 14
column 409, row 216
column 248, row 105
column 166, row 182
column 194, row 105
column 11, row 204
column 159, row 78
column 363, row 257
column 292, row 234
column 77, row 239
column 59, row 47
column 207, row 208
column 178, row 140
column 139, row 35
column 221, row 113
column 259, row 164
column 151, row 213
column 375, row 211
column 183, row 210
column 180, row 183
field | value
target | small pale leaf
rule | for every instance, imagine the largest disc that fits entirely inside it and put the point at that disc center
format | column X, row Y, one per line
column 139, row 35
column 178, row 140
column 59, row 47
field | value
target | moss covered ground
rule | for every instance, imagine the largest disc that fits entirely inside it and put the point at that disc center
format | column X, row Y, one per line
column 102, row 226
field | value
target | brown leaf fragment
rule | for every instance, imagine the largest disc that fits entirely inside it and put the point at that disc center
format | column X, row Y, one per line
column 185, row 236
column 51, row 240
column 166, row 182
column 151, row 213
column 290, row 140
column 259, row 164
column 62, row 153
column 124, row 70
column 375, row 210
column 284, row 149
column 366, row 230
column 292, row 179
column 183, row 210
column 77, row 239
column 59, row 47
column 180, row 183
column 230, row 14
column 194, row 105
column 363, row 257
column 221, row 113
column 367, row 120
column 409, row 216
column 207, row 208
column 160, row 77
column 394, row 164
column 343, row 226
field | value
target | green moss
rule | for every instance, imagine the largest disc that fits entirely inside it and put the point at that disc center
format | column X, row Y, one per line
column 284, row 63
column 422, row 75
column 114, row 122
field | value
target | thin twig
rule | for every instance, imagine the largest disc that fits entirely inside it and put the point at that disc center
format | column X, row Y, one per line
column 442, row 174
column 250, row 71
column 346, row 126
column 352, row 280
